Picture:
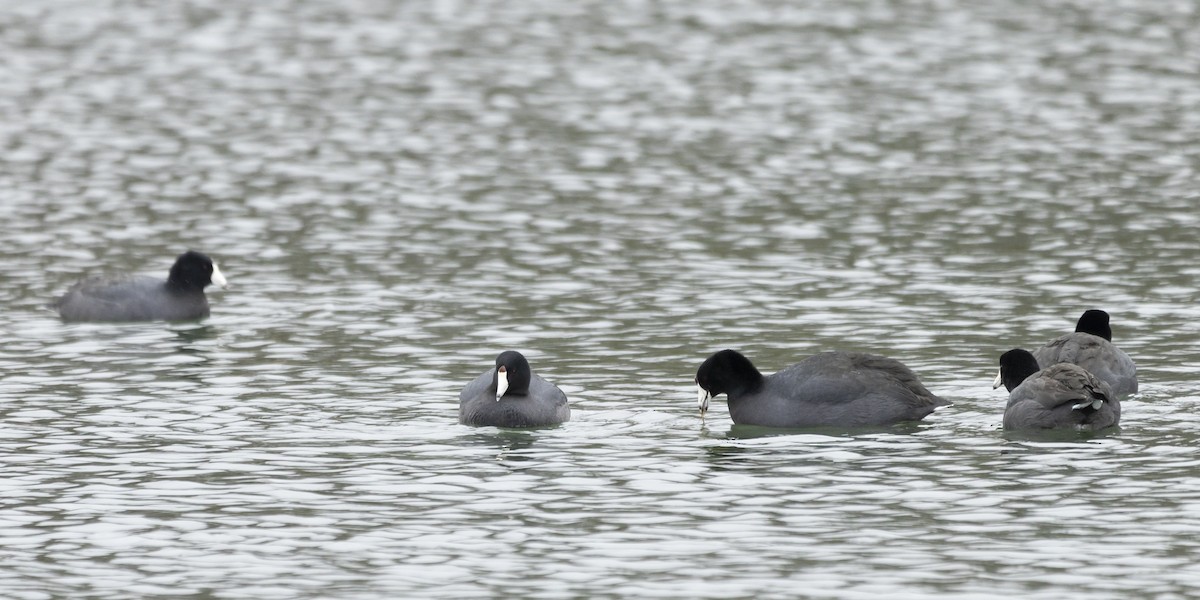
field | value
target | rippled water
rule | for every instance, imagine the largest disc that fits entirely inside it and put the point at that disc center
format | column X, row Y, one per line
column 398, row 190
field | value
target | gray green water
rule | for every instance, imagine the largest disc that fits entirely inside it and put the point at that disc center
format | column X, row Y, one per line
column 399, row 190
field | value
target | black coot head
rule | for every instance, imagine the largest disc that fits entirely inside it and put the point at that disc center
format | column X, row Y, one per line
column 1016, row 366
column 1095, row 322
column 724, row 371
column 512, row 374
column 194, row 271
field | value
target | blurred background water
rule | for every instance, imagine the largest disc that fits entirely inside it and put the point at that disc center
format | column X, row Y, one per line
column 397, row 191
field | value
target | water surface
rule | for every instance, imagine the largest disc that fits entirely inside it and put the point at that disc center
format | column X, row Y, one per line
column 399, row 191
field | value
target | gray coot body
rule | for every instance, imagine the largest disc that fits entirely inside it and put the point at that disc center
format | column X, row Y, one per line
column 135, row 298
column 512, row 395
column 1061, row 396
column 1091, row 347
column 839, row 389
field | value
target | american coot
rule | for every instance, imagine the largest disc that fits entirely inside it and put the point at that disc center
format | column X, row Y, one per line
column 511, row 395
column 134, row 298
column 841, row 389
column 1091, row 347
column 1061, row 396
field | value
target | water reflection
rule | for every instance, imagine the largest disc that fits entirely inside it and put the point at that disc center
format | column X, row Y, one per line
column 1052, row 436
column 753, row 431
column 195, row 333
column 509, row 443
